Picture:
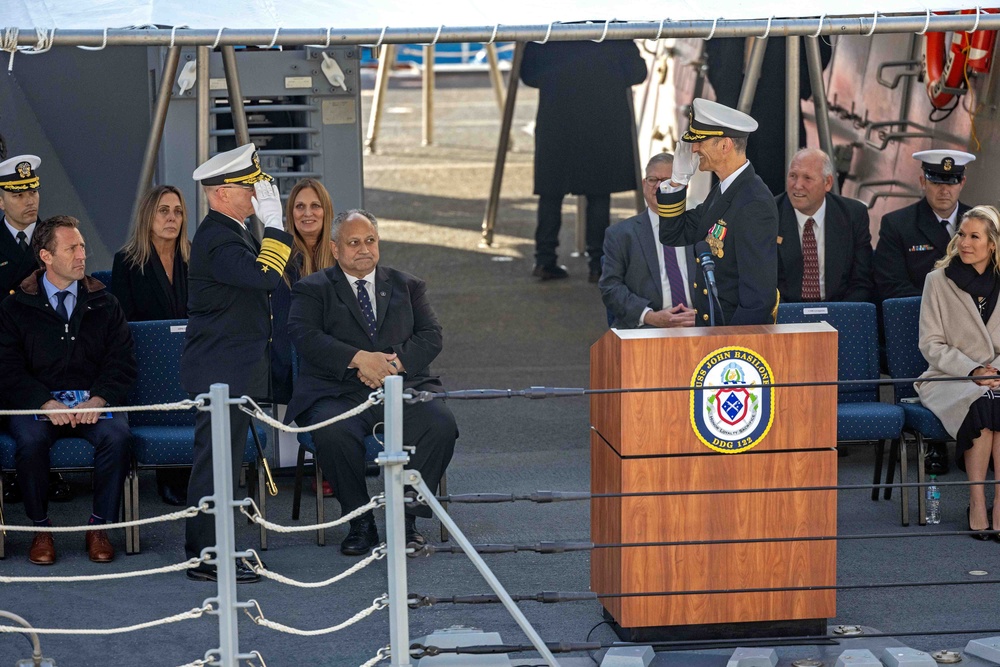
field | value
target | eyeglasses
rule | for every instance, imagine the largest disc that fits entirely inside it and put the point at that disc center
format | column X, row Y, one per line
column 653, row 181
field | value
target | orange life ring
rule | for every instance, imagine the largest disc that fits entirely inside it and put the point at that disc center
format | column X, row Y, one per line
column 944, row 69
column 980, row 54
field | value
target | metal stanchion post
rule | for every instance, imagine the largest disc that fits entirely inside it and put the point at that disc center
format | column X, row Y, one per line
column 225, row 538
column 395, row 536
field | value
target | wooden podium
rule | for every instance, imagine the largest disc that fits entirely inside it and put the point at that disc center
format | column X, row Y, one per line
column 650, row 442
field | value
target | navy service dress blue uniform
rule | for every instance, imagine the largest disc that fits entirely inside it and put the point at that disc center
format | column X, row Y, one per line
column 740, row 226
column 230, row 277
column 17, row 262
column 912, row 239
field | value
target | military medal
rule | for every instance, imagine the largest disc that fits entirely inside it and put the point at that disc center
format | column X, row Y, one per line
column 716, row 238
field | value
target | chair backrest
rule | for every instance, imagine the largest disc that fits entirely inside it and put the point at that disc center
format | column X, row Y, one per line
column 103, row 276
column 857, row 342
column 901, row 325
column 158, row 347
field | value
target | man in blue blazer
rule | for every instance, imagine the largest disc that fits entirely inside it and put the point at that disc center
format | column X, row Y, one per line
column 353, row 325
column 645, row 283
column 836, row 227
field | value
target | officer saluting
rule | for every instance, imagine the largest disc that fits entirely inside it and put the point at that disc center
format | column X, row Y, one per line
column 738, row 220
column 229, row 319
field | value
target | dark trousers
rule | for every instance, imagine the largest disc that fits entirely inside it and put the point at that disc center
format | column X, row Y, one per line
column 201, row 528
column 33, row 438
column 550, row 221
column 340, row 451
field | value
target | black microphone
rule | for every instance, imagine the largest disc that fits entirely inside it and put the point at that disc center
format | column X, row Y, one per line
column 704, row 254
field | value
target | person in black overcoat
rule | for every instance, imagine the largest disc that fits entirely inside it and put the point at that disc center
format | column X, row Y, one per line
column 149, row 277
column 584, row 141
column 229, row 320
column 738, row 220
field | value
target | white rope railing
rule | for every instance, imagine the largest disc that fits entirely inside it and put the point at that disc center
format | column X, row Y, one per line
column 176, row 567
column 197, row 612
column 378, row 553
column 258, row 413
column 186, row 404
column 378, row 604
column 383, row 654
column 186, row 513
column 374, row 503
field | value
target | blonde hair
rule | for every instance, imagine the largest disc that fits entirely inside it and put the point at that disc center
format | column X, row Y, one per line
column 319, row 256
column 139, row 247
column 991, row 217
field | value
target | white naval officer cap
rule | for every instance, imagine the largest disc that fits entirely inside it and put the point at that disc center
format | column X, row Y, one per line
column 711, row 119
column 240, row 166
column 18, row 173
column 944, row 166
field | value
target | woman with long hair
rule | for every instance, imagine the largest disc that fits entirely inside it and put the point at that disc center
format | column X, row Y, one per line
column 960, row 336
column 150, row 280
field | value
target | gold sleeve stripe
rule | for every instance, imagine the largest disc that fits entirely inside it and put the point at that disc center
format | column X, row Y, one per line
column 672, row 210
column 274, row 254
column 774, row 312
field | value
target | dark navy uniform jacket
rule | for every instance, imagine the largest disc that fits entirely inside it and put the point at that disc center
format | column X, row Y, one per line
column 15, row 265
column 229, row 316
column 910, row 241
column 746, row 257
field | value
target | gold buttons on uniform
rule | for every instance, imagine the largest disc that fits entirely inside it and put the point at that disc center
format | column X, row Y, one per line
column 705, row 317
column 704, row 291
column 696, row 285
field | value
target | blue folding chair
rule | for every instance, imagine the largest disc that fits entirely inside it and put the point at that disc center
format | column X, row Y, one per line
column 103, row 276
column 902, row 346
column 860, row 415
column 165, row 439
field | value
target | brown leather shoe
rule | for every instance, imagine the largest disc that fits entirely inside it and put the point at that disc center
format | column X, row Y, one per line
column 99, row 547
column 43, row 549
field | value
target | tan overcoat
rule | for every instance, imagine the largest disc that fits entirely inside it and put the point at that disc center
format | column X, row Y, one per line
column 954, row 341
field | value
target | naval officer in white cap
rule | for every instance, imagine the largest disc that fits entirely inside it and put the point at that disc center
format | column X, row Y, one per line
column 912, row 239
column 230, row 278
column 738, row 220
column 19, row 185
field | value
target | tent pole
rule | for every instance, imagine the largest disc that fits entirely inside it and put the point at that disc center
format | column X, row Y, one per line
column 490, row 218
column 752, row 75
column 815, row 64
column 167, row 76
column 235, row 96
column 793, row 109
column 201, row 140
column 428, row 96
column 386, row 54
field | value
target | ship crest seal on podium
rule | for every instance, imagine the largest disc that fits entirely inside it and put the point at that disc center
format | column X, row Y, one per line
column 734, row 412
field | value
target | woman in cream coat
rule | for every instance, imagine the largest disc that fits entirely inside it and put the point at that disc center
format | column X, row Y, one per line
column 960, row 336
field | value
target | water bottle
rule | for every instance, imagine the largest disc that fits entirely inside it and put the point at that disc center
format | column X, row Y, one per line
column 933, row 502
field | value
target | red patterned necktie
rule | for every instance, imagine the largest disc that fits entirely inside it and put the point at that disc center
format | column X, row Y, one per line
column 810, row 263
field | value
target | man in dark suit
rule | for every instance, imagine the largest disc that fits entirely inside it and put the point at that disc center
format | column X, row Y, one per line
column 645, row 283
column 19, row 196
column 824, row 244
column 229, row 319
column 738, row 219
column 64, row 343
column 353, row 325
column 912, row 239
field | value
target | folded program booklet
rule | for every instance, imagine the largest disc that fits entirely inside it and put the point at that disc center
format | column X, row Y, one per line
column 72, row 398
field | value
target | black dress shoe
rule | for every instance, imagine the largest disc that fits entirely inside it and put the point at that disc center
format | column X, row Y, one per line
column 205, row 572
column 981, row 536
column 59, row 489
column 550, row 272
column 172, row 495
column 414, row 540
column 11, row 491
column 362, row 538
column 936, row 460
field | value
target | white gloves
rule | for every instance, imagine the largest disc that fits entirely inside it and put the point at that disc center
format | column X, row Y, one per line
column 685, row 163
column 267, row 204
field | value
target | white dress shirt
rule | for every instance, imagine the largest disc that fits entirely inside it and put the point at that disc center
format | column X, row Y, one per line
column 951, row 222
column 369, row 287
column 28, row 231
column 820, row 218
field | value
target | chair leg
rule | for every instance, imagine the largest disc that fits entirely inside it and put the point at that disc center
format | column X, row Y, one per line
column 921, row 477
column 879, row 453
column 904, row 492
column 297, row 492
column 890, row 469
column 261, row 503
column 135, row 511
column 320, row 532
column 2, row 520
column 127, row 512
column 443, row 491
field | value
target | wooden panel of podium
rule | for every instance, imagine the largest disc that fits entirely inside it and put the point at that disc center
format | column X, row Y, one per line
column 725, row 437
